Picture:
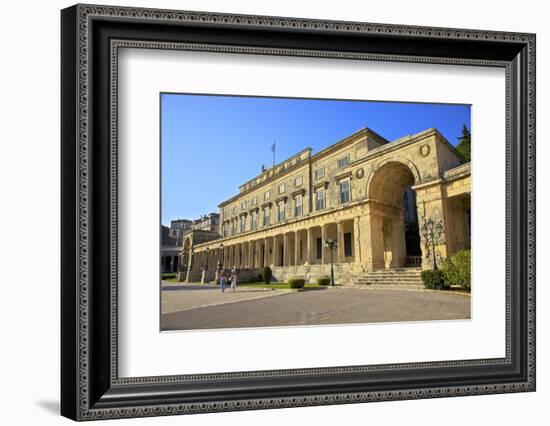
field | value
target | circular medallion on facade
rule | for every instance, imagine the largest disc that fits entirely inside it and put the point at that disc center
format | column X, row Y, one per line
column 424, row 150
column 360, row 173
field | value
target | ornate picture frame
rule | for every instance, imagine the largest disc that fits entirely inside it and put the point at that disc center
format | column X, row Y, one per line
column 90, row 38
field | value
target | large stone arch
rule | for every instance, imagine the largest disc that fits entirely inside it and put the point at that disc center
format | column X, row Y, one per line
column 397, row 162
column 386, row 186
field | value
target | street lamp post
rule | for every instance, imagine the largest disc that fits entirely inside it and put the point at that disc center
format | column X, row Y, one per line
column 431, row 231
column 331, row 244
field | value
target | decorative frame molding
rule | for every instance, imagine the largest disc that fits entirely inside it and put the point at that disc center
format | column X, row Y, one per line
column 91, row 37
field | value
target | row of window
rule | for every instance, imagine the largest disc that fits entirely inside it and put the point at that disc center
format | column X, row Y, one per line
column 281, row 189
column 298, row 181
column 341, row 163
column 344, row 197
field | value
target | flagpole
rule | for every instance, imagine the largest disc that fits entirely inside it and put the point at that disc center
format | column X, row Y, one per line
column 273, row 150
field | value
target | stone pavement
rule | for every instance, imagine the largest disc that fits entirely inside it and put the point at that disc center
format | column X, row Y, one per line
column 330, row 306
column 180, row 297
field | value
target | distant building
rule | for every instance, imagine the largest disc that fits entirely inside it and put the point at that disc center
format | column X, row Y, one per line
column 205, row 228
column 209, row 222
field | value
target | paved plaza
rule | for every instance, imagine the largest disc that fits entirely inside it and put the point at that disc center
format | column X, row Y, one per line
column 189, row 307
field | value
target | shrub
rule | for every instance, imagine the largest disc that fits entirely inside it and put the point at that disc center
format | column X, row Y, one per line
column 260, row 278
column 434, row 280
column 457, row 269
column 267, row 275
column 323, row 280
column 296, row 283
column 167, row 275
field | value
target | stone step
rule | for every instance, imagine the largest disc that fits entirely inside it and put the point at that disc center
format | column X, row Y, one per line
column 392, row 276
column 390, row 279
column 417, row 283
column 399, row 277
column 398, row 286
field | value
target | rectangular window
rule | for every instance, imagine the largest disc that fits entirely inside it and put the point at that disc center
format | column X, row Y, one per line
column 233, row 228
column 234, row 209
column 225, row 229
column 267, row 194
column 266, row 216
column 281, row 188
column 320, row 173
column 243, row 205
column 299, row 181
column 344, row 191
column 320, row 199
column 281, row 212
column 319, row 248
column 253, row 222
column 298, row 206
column 347, row 244
column 343, row 162
column 243, row 224
column 254, row 201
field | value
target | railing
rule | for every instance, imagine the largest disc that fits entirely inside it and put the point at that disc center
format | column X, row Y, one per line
column 413, row 261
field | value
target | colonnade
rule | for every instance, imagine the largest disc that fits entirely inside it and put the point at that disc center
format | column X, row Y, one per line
column 305, row 246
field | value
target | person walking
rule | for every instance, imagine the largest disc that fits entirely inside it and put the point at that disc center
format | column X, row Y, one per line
column 223, row 281
column 233, row 279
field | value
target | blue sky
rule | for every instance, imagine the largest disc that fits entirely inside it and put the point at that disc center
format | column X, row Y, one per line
column 213, row 144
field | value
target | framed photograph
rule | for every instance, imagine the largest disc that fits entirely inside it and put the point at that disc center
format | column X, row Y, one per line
column 263, row 212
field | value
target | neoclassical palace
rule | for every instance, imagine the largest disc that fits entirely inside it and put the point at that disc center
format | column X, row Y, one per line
column 368, row 194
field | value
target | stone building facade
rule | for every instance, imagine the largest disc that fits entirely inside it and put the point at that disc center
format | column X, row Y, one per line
column 174, row 252
column 369, row 194
column 207, row 222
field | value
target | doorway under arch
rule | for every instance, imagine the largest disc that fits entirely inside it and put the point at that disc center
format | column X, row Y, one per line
column 394, row 221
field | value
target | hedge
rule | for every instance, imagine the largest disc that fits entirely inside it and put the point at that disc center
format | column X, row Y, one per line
column 167, row 275
column 267, row 275
column 434, row 280
column 457, row 269
column 296, row 283
column 323, row 280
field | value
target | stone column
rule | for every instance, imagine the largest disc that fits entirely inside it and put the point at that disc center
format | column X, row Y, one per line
column 340, row 237
column 309, row 246
column 399, row 245
column 259, row 257
column 266, row 253
column 275, row 251
column 356, row 238
column 324, row 254
column 189, row 267
column 296, row 248
column 251, row 262
column 286, row 251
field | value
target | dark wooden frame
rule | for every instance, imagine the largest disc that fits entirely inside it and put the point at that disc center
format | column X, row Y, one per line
column 90, row 386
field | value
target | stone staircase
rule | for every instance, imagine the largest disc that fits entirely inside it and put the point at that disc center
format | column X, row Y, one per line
column 398, row 277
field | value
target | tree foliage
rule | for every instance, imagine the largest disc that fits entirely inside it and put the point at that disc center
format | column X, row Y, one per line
column 464, row 143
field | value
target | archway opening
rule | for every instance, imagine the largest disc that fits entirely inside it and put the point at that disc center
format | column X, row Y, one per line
column 394, row 220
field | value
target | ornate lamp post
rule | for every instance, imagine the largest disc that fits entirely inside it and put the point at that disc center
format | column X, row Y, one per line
column 331, row 244
column 431, row 231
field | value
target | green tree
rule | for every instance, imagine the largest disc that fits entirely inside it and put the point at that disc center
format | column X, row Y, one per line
column 464, row 143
